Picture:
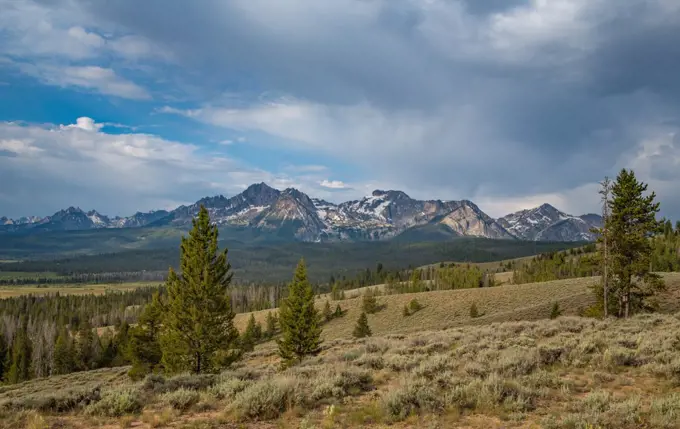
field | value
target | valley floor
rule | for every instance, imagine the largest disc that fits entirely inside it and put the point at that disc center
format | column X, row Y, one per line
column 438, row 368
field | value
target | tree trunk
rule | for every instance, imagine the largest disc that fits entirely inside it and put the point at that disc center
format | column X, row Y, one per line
column 198, row 363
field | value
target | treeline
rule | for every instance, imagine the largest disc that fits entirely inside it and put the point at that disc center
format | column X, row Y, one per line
column 586, row 262
column 442, row 277
column 556, row 266
column 86, row 278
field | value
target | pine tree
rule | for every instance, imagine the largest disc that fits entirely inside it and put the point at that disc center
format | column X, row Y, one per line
column 143, row 347
column 338, row 311
column 299, row 320
column 327, row 313
column 362, row 329
column 271, row 325
column 4, row 349
column 20, row 369
column 64, row 353
column 369, row 304
column 251, row 335
column 198, row 332
column 85, row 346
column 555, row 312
column 630, row 224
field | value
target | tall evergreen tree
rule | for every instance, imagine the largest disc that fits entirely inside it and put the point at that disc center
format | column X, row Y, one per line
column 362, row 329
column 198, row 327
column 20, row 369
column 4, row 349
column 64, row 354
column 631, row 223
column 144, row 349
column 327, row 312
column 272, row 325
column 251, row 335
column 299, row 320
column 85, row 346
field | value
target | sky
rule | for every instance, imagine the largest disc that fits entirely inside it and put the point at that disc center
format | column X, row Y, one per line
column 125, row 106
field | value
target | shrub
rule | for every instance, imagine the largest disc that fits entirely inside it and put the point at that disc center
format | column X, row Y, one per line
column 190, row 382
column 405, row 312
column 265, row 400
column 154, row 383
column 54, row 402
column 347, row 382
column 414, row 305
column 116, row 403
column 338, row 311
column 665, row 412
column 181, row 399
column 414, row 397
column 474, row 313
column 228, row 389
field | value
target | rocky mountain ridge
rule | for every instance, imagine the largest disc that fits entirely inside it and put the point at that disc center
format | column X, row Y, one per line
column 291, row 214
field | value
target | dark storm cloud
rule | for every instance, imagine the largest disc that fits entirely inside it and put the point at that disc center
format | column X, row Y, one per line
column 484, row 98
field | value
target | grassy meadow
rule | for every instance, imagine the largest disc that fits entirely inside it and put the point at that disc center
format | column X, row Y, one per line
column 512, row 367
column 71, row 289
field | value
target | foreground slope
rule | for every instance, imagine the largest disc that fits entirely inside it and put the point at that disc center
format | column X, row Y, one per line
column 565, row 373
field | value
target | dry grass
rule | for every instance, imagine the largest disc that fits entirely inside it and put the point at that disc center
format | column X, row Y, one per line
column 566, row 373
column 450, row 308
column 71, row 289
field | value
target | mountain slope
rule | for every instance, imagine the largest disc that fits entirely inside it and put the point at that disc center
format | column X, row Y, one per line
column 265, row 212
column 546, row 223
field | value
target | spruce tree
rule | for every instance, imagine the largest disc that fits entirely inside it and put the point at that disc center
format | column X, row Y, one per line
column 299, row 320
column 143, row 347
column 251, row 335
column 369, row 304
column 85, row 346
column 631, row 223
column 338, row 311
column 20, row 369
column 64, row 353
column 362, row 329
column 327, row 313
column 4, row 349
column 198, row 332
column 555, row 312
column 271, row 325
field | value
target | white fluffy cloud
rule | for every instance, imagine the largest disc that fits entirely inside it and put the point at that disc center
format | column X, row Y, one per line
column 49, row 167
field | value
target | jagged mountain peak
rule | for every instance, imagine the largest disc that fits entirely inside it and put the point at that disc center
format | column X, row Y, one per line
column 292, row 214
column 390, row 195
column 547, row 223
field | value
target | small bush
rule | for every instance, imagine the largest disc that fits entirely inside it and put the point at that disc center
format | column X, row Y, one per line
column 474, row 313
column 555, row 312
column 414, row 305
column 54, row 402
column 405, row 312
column 265, row 400
column 181, row 399
column 154, row 383
column 228, row 389
column 116, row 403
column 414, row 397
column 190, row 382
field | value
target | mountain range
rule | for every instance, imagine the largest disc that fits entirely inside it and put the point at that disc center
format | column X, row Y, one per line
column 291, row 214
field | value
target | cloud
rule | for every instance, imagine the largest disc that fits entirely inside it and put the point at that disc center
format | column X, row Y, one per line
column 333, row 184
column 52, row 166
column 505, row 102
